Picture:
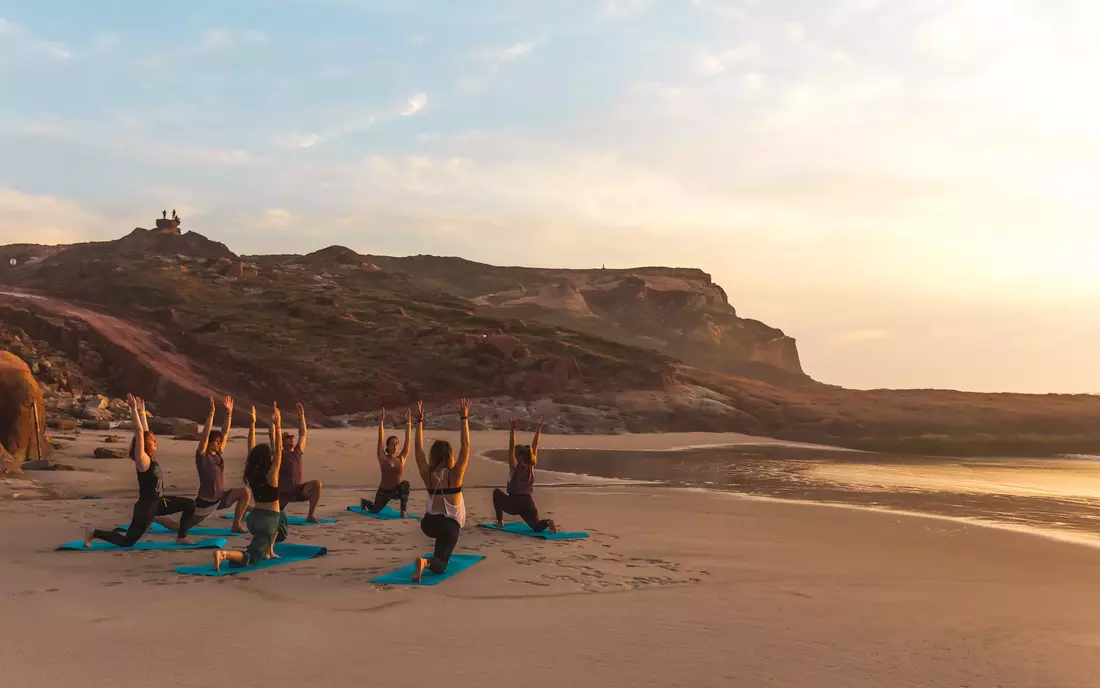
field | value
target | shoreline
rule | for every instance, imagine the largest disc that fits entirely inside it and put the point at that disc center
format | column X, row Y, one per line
column 674, row 585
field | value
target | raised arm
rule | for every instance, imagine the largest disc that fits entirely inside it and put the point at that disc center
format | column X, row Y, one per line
column 535, row 443
column 382, row 436
column 204, row 438
column 463, row 457
column 408, row 435
column 144, row 415
column 252, row 431
column 512, row 446
column 301, row 428
column 276, row 433
column 228, row 403
column 141, row 459
column 421, row 458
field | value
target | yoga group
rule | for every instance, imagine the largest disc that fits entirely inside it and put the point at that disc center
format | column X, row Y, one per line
column 273, row 479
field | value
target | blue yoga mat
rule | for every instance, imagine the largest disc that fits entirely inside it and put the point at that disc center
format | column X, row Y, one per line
column 403, row 575
column 296, row 520
column 288, row 554
column 158, row 529
column 520, row 528
column 100, row 545
column 387, row 514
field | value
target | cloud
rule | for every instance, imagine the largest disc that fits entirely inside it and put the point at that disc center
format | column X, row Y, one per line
column 274, row 218
column 513, row 52
column 714, row 63
column 42, row 219
column 213, row 40
column 416, row 104
column 23, row 42
column 106, row 41
column 621, row 9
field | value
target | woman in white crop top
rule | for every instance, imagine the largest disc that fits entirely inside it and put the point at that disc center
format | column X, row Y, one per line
column 442, row 473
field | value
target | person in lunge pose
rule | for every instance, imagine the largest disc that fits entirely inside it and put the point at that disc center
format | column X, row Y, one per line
column 151, row 501
column 442, row 474
column 291, row 487
column 266, row 521
column 519, row 500
column 211, row 467
column 392, row 465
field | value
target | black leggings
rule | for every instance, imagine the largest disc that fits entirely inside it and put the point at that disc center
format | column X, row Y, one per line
column 144, row 513
column 445, row 531
column 522, row 505
column 383, row 497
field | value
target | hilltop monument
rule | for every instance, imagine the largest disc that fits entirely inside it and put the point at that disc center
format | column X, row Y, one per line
column 168, row 226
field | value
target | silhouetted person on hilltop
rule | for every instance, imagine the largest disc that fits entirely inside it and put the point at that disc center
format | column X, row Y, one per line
column 164, row 214
column 392, row 465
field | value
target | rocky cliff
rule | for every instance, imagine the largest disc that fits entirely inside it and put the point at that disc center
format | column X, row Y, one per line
column 679, row 312
column 177, row 318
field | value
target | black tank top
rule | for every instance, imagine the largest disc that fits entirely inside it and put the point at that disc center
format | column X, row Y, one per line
column 264, row 493
column 150, row 483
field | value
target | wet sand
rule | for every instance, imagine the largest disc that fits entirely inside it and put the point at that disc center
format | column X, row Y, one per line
column 675, row 586
column 1058, row 497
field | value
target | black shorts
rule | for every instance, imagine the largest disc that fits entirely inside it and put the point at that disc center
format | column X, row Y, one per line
column 296, row 494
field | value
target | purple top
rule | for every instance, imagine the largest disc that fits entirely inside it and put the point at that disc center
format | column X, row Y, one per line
column 290, row 471
column 211, row 469
column 522, row 480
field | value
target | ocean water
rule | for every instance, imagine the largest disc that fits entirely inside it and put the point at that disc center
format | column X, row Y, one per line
column 1059, row 495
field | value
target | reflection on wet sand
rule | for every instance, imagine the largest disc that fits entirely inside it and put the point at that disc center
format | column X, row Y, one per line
column 1051, row 494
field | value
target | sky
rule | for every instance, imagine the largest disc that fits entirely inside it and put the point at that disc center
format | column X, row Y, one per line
column 907, row 187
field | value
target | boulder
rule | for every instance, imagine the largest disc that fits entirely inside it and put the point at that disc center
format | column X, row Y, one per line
column 18, row 391
column 95, row 424
column 109, row 453
column 63, row 424
column 94, row 413
column 173, row 426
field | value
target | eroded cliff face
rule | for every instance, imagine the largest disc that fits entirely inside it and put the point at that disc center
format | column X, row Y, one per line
column 678, row 312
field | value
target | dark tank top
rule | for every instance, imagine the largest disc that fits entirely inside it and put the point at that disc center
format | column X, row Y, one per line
column 522, row 480
column 150, row 483
column 264, row 493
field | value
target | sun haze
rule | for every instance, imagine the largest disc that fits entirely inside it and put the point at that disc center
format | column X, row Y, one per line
column 908, row 188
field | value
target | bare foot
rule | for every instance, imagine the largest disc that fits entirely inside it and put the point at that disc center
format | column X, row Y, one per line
column 553, row 528
column 312, row 519
column 88, row 532
column 418, row 570
column 219, row 557
column 238, row 528
column 404, row 514
column 500, row 523
column 184, row 541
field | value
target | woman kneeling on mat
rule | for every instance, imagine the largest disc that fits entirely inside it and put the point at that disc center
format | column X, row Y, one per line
column 521, row 484
column 392, row 465
column 151, row 501
column 442, row 474
column 266, row 521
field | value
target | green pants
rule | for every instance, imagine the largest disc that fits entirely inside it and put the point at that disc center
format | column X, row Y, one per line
column 267, row 528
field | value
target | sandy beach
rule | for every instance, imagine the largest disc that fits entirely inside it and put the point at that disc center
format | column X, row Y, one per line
column 675, row 586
